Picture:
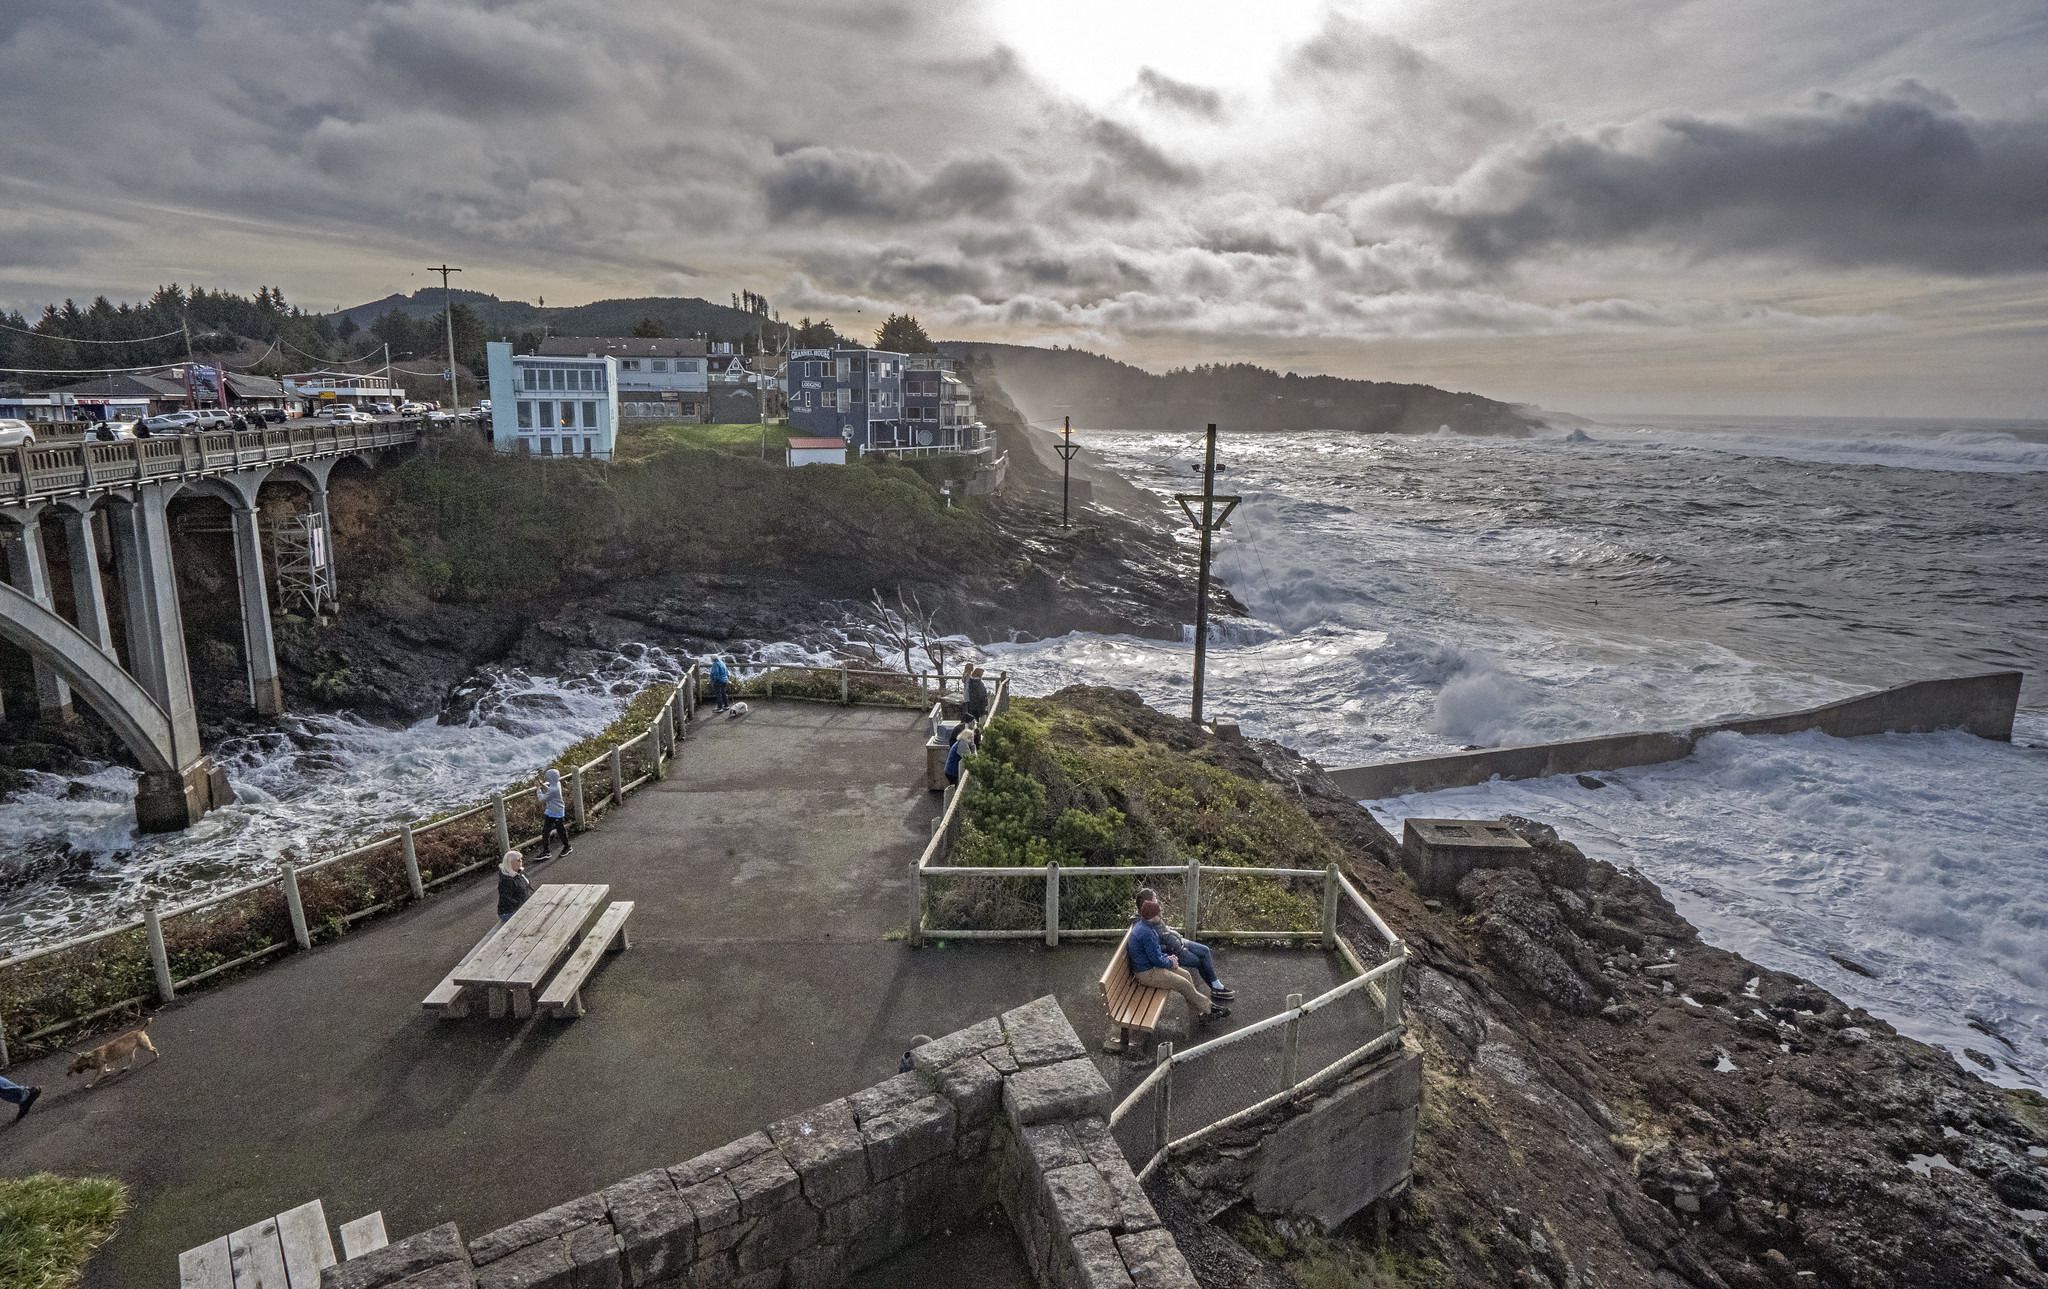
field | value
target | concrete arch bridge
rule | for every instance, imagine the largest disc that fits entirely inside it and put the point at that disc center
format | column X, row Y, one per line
column 122, row 647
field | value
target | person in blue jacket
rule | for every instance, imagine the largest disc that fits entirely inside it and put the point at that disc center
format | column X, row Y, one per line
column 719, row 680
column 1198, row 956
column 1154, row 967
column 965, row 739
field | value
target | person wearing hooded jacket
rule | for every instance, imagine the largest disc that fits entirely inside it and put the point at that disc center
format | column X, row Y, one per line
column 553, row 815
column 1155, row 968
column 720, row 679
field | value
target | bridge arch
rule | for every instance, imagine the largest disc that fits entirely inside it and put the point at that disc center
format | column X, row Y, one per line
column 114, row 694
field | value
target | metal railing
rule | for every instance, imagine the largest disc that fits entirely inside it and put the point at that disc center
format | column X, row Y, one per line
column 1251, row 1071
column 606, row 774
column 32, row 472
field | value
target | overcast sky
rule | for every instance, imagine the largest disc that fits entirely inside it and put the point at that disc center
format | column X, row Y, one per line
column 1597, row 205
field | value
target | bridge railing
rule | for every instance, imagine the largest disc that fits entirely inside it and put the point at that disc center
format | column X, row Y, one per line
column 30, row 473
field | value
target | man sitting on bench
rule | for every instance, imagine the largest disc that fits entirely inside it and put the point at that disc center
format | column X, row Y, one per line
column 1152, row 967
column 1198, row 956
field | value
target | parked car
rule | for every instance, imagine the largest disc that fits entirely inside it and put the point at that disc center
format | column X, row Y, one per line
column 268, row 415
column 169, row 423
column 484, row 406
column 352, row 416
column 413, row 409
column 14, row 434
column 212, row 418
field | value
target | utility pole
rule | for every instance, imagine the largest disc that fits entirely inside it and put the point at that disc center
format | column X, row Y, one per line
column 448, row 298
column 185, row 326
column 1208, row 523
column 387, row 364
column 1066, row 449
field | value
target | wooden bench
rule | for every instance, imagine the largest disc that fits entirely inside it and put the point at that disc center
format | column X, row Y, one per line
column 564, row 996
column 448, row 999
column 1131, row 1006
column 283, row 1252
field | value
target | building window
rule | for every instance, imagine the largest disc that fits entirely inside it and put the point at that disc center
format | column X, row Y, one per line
column 590, row 416
column 588, row 445
column 547, row 414
column 858, row 394
column 686, row 364
column 547, row 447
column 530, row 379
column 568, row 414
column 525, row 416
column 660, row 364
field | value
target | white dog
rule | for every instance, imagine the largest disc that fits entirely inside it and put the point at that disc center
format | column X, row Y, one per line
column 738, row 711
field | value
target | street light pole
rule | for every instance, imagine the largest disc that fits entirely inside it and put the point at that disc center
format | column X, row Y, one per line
column 1208, row 523
column 448, row 300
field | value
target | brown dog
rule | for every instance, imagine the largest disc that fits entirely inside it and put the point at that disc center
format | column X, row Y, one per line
column 99, row 1062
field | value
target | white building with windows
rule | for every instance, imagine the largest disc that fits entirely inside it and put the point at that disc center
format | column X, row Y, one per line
column 553, row 406
column 660, row 378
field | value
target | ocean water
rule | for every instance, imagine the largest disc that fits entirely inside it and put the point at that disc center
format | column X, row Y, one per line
column 1411, row 595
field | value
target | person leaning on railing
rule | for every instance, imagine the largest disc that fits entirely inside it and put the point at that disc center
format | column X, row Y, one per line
column 1152, row 967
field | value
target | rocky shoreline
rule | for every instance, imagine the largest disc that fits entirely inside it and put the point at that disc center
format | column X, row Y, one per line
column 1610, row 1101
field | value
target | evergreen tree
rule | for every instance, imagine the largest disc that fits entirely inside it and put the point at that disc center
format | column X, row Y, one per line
column 902, row 334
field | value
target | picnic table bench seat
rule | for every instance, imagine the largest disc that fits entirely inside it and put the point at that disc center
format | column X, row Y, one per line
column 449, row 1000
column 283, row 1252
column 564, row 995
column 1131, row 1006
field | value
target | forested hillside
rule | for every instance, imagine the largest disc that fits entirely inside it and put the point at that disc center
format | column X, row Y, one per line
column 1102, row 393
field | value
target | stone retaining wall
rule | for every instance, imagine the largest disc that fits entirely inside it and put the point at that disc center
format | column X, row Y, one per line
column 1010, row 1111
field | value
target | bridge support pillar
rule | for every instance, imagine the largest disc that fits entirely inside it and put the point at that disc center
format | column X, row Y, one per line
column 28, row 571
column 259, row 646
column 172, row 799
column 88, row 590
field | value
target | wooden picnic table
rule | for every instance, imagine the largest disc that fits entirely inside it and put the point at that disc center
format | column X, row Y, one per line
column 512, row 963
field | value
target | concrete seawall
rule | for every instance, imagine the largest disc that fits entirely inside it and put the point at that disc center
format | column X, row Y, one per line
column 1982, row 705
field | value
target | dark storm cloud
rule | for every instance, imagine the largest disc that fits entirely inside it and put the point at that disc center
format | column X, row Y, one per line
column 849, row 183
column 1133, row 154
column 41, row 243
column 1162, row 89
column 1903, row 178
column 473, row 61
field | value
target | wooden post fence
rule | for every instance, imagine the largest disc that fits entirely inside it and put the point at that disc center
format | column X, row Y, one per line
column 159, row 959
column 412, row 861
column 296, row 907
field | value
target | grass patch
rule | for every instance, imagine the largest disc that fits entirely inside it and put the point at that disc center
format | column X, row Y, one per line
column 1091, row 778
column 639, row 442
column 1334, row 1262
column 50, row 1225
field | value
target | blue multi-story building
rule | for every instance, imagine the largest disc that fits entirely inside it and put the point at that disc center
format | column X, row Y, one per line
column 878, row 401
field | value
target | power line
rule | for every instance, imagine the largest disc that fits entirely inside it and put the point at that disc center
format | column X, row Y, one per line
column 79, row 340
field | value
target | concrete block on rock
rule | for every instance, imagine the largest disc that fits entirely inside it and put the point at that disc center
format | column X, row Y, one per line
column 825, row 1149
column 1077, row 1201
column 1071, row 1089
column 1154, row 1261
column 1048, row 1146
column 974, row 1087
column 714, row 1204
column 1039, row 1034
column 449, row 1275
column 394, row 1262
column 908, row 1135
column 714, row 1272
column 888, row 1095
column 764, row 1183
column 779, row 1235
column 958, row 1045
column 1097, row 1264
column 559, row 1220
column 822, row 1266
column 713, row 1163
column 545, row 1265
column 657, row 1228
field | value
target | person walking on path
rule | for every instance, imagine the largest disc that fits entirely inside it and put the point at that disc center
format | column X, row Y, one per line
column 975, row 704
column 553, row 816
column 15, row 1094
column 1198, row 956
column 720, row 678
column 513, row 888
column 1155, row 968
column 965, row 739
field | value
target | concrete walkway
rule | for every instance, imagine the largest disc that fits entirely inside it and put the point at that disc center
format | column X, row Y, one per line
column 768, row 872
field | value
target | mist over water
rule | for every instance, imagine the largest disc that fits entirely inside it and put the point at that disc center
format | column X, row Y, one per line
column 1415, row 595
